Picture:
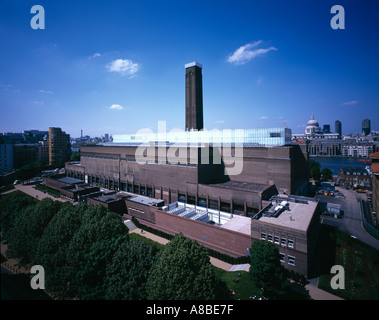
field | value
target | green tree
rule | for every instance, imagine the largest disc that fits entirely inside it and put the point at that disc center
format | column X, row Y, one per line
column 97, row 224
column 29, row 228
column 326, row 174
column 75, row 156
column 52, row 248
column 127, row 274
column 91, row 276
column 12, row 205
column 182, row 272
column 266, row 270
column 315, row 172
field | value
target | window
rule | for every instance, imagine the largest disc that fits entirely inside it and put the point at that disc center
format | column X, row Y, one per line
column 263, row 236
column 274, row 134
column 182, row 198
column 290, row 243
column 202, row 202
column 135, row 209
column 213, row 204
column 291, row 260
column 283, row 242
column 276, row 239
column 269, row 237
column 282, row 257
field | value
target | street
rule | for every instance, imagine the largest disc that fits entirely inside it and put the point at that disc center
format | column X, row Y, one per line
column 351, row 222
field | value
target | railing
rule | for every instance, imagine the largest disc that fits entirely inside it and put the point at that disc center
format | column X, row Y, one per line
column 368, row 227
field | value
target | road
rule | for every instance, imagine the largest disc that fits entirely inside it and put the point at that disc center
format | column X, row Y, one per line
column 351, row 222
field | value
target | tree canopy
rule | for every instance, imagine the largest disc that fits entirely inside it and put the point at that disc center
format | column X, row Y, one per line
column 182, row 272
column 326, row 174
column 28, row 229
column 315, row 171
column 90, row 279
column 266, row 270
column 128, row 272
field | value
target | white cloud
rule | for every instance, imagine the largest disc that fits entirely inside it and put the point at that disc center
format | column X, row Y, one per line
column 96, row 55
column 116, row 107
column 46, row 91
column 349, row 103
column 37, row 102
column 125, row 67
column 220, row 121
column 263, row 118
column 247, row 52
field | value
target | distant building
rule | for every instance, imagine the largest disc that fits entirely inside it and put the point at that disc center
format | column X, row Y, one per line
column 25, row 153
column 6, row 156
column 360, row 149
column 326, row 128
column 292, row 224
column 33, row 136
column 313, row 131
column 59, row 147
column 312, row 126
column 338, row 128
column 353, row 177
column 366, row 127
column 330, row 147
column 43, row 151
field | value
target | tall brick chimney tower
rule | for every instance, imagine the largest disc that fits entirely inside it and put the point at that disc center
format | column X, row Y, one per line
column 194, row 96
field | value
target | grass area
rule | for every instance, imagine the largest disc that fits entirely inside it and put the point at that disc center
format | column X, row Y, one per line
column 361, row 265
column 244, row 287
column 239, row 283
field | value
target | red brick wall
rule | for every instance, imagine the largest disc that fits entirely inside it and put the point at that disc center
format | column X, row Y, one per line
column 217, row 238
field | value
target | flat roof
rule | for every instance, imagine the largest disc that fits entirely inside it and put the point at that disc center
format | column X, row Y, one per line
column 296, row 215
column 70, row 180
column 239, row 224
column 193, row 64
column 242, row 186
column 221, row 219
column 106, row 198
column 146, row 201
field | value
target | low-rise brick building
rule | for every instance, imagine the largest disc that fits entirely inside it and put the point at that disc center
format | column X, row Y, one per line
column 292, row 224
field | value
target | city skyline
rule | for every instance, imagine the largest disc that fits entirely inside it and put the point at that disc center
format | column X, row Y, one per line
column 117, row 67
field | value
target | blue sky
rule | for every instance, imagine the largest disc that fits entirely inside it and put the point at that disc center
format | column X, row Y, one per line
column 118, row 66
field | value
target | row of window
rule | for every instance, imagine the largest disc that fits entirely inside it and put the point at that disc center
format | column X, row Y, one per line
column 135, row 209
column 284, row 242
column 99, row 157
column 147, row 161
column 290, row 259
